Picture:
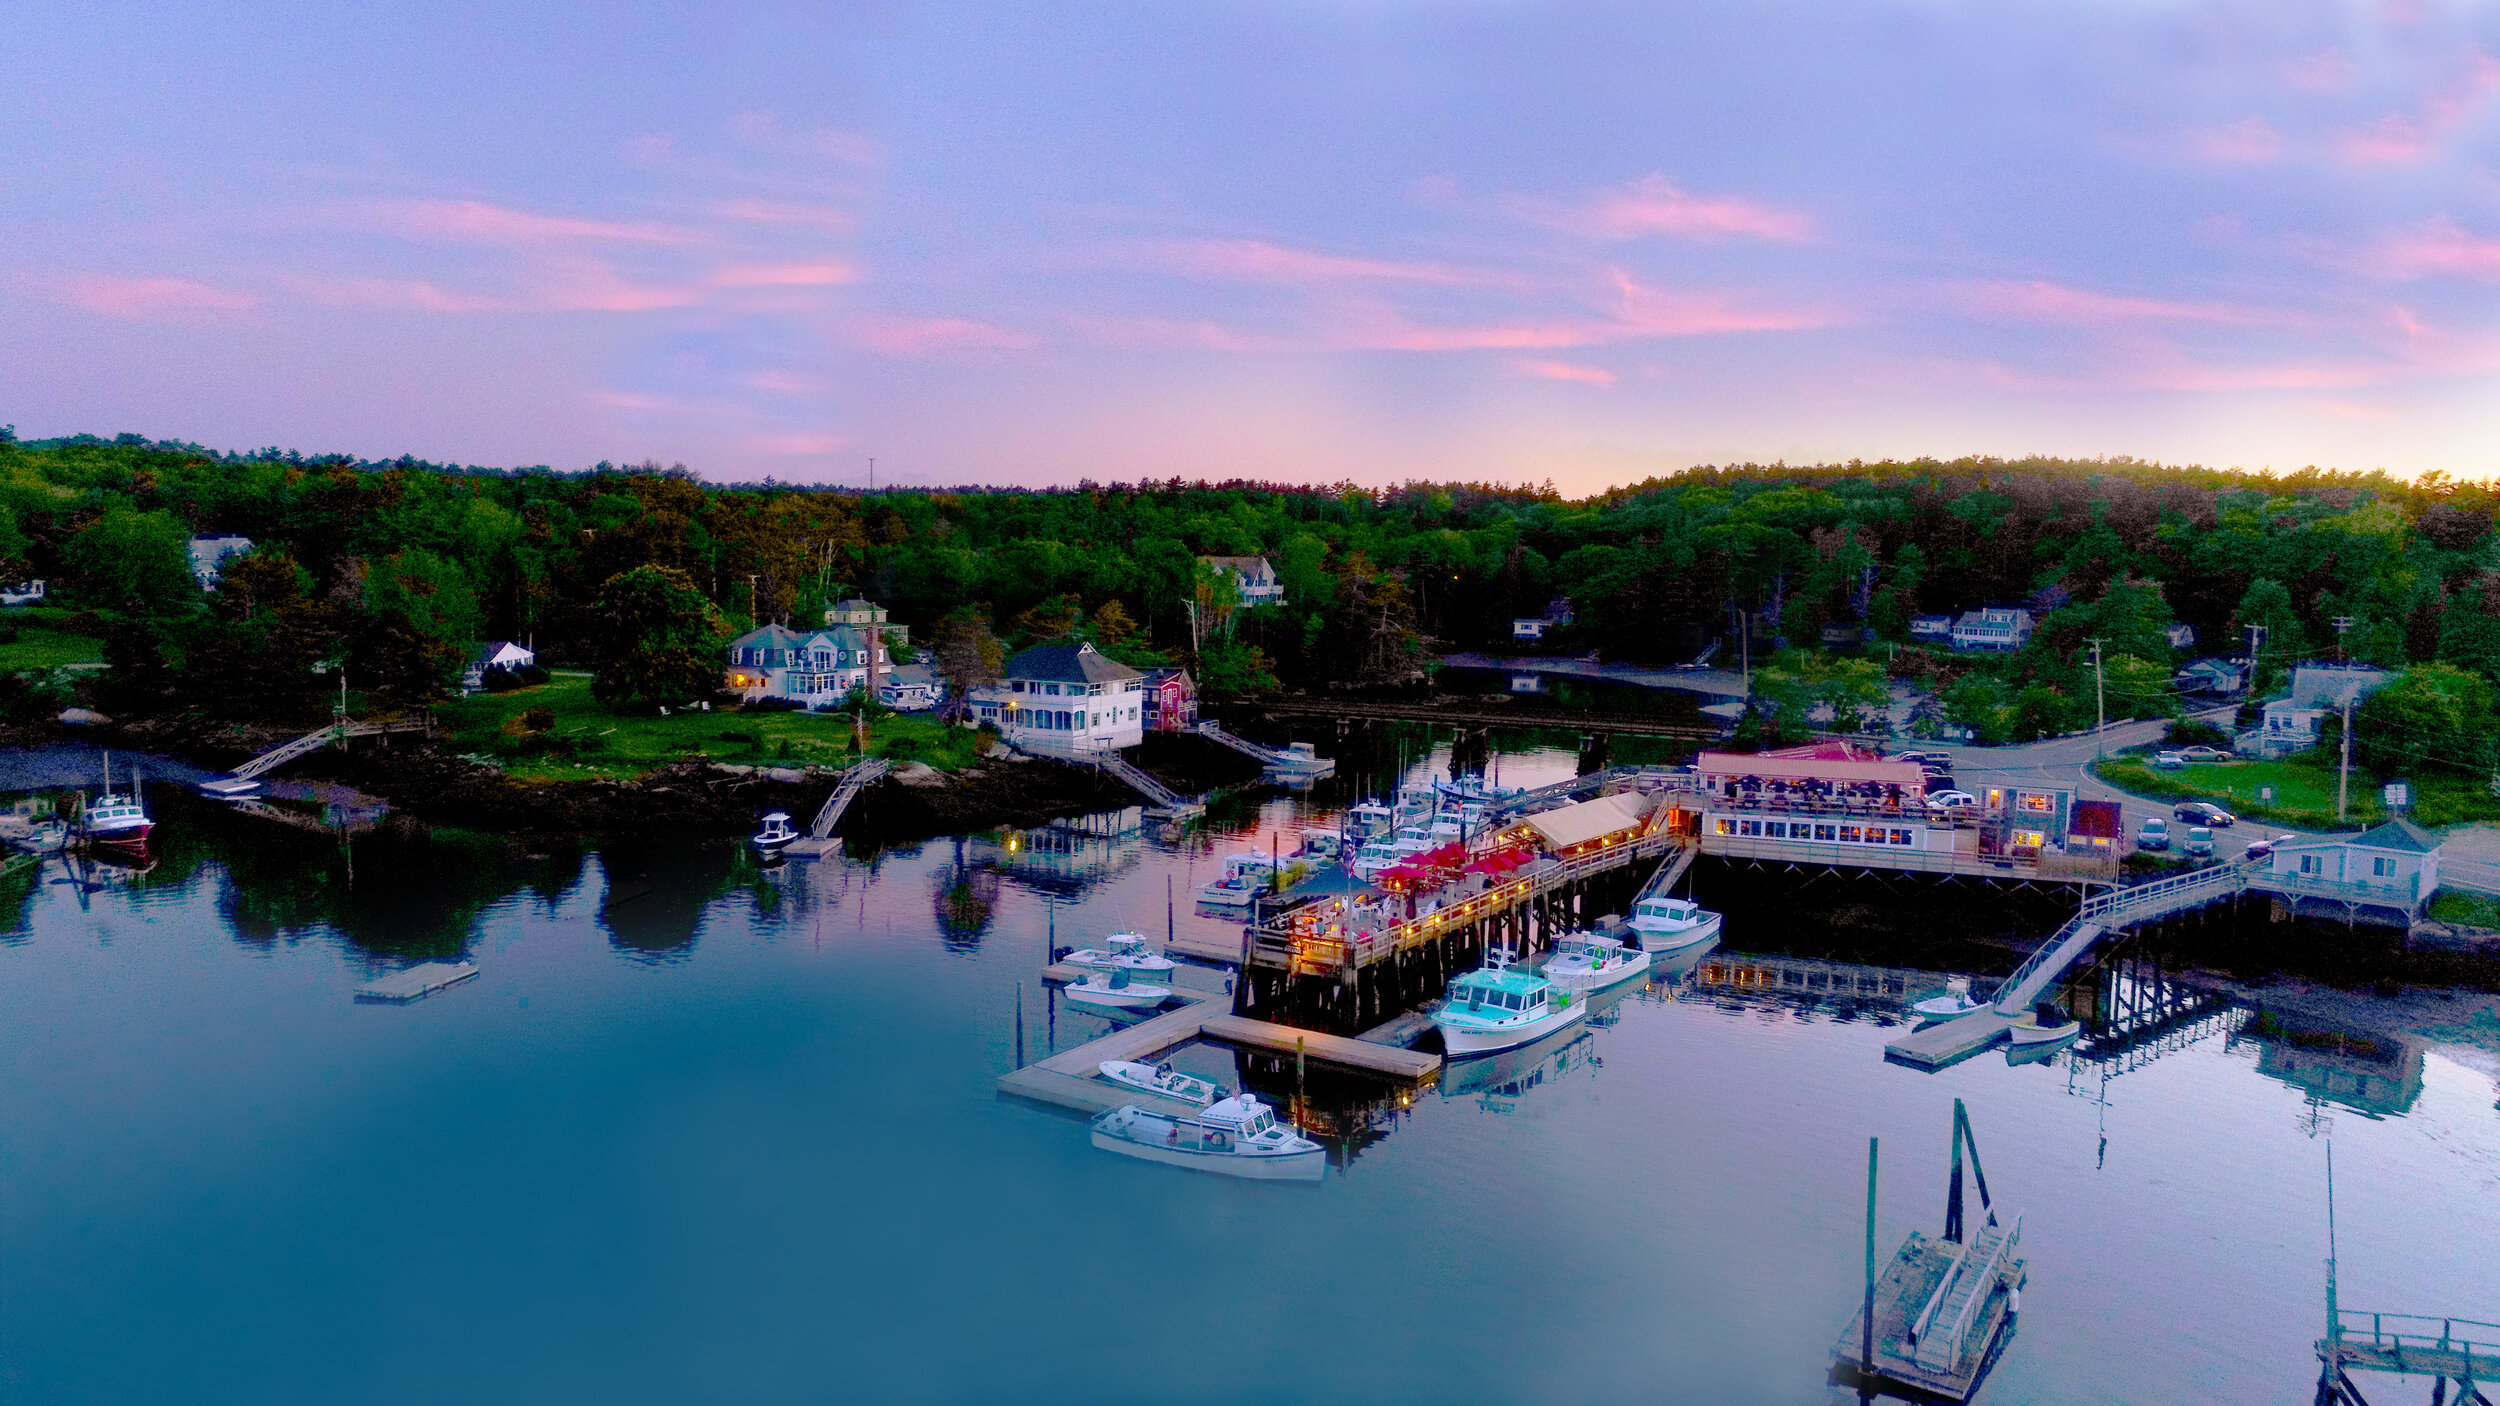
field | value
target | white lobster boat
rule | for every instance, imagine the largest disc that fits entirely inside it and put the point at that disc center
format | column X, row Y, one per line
column 1672, row 924
column 1121, row 951
column 1245, row 878
column 1498, row 1008
column 1234, row 1137
column 1585, row 962
column 1114, row 991
column 118, row 818
column 1160, row 1079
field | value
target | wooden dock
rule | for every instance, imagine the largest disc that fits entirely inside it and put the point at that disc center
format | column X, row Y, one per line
column 1402, row 1032
column 404, row 986
column 1938, row 1310
column 1071, row 1078
column 1949, row 1040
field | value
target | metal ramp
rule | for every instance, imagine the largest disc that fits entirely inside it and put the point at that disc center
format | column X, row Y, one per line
column 857, row 777
column 1270, row 757
column 1164, row 799
column 240, row 780
column 1942, row 1330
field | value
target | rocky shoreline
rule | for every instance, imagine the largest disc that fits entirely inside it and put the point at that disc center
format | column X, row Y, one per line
column 429, row 781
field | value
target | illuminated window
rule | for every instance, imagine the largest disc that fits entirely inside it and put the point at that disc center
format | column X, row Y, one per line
column 1825, row 832
column 1851, row 834
column 1723, row 826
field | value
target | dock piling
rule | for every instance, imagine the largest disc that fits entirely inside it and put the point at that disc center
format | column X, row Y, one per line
column 1866, row 1329
column 1019, row 1025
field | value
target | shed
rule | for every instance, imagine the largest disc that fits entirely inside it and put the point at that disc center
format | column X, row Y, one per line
column 2397, row 860
column 1575, row 828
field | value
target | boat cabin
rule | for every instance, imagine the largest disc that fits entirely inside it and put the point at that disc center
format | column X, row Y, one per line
column 1496, row 992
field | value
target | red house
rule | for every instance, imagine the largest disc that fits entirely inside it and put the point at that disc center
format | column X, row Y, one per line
column 1171, row 701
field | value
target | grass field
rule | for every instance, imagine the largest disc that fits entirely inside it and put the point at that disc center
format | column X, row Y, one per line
column 2304, row 791
column 589, row 741
column 41, row 643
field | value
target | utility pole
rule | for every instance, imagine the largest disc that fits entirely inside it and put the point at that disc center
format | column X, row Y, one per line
column 2100, row 704
column 2343, row 770
column 2341, row 624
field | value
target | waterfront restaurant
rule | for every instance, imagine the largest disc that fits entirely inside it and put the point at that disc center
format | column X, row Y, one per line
column 1816, row 800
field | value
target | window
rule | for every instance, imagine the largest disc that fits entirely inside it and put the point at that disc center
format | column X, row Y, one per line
column 2032, row 801
column 1748, row 827
column 1850, row 834
column 1903, row 837
column 1016, row 687
column 1775, row 829
column 1723, row 826
column 1051, row 688
column 2311, row 864
column 1826, row 832
column 2382, row 868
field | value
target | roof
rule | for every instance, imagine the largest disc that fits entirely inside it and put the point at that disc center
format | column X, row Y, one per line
column 1157, row 678
column 1504, row 979
column 2399, row 834
column 2331, row 686
column 1832, row 751
column 855, row 603
column 909, row 676
column 1247, row 566
column 1067, row 661
column 484, row 650
column 1906, row 775
column 1579, row 824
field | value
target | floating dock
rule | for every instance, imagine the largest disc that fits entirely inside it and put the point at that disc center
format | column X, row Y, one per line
column 1945, row 1041
column 1938, row 1310
column 404, row 986
column 1071, row 1078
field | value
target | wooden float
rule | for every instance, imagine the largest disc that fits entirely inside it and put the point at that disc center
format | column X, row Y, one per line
column 422, row 980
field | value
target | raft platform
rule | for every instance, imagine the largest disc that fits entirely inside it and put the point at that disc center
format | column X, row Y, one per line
column 1071, row 1079
column 1938, row 1311
column 402, row 987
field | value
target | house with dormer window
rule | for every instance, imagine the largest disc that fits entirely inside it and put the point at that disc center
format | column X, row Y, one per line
column 1065, row 696
column 1254, row 580
column 818, row 668
column 1999, row 628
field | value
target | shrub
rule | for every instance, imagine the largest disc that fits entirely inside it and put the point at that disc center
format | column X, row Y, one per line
column 538, row 719
column 2187, row 733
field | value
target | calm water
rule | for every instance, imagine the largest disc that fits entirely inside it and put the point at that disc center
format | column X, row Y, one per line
column 704, row 1133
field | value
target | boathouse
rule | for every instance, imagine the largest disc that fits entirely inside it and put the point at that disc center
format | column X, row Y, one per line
column 1171, row 700
column 1066, row 696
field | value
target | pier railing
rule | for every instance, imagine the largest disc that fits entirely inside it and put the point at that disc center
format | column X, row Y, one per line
column 1290, row 941
column 2393, row 895
column 2399, row 1333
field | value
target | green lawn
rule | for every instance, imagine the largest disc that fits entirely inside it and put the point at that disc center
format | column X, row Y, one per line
column 590, row 741
column 40, row 643
column 2472, row 909
column 2304, row 791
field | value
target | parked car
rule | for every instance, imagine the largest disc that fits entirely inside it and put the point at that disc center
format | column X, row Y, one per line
column 1952, row 800
column 2259, row 849
column 2154, row 834
column 2203, row 754
column 2167, row 761
column 2205, row 813
column 1921, row 757
column 2200, row 842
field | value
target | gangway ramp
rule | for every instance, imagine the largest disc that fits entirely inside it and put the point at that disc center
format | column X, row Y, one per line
column 1276, row 759
column 244, row 779
column 857, row 777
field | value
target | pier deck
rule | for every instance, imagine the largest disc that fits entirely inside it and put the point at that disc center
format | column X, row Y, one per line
column 405, row 986
column 1946, row 1041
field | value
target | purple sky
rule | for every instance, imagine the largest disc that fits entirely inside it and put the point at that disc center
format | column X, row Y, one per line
column 1368, row 240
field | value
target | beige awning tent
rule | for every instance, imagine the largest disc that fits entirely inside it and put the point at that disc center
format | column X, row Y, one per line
column 1589, row 820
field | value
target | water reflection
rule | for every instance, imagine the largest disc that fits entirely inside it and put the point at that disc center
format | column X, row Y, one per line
column 658, row 892
column 964, row 897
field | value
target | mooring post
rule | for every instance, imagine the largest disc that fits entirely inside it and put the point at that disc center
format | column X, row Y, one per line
column 1171, row 915
column 1019, row 1025
column 1866, row 1317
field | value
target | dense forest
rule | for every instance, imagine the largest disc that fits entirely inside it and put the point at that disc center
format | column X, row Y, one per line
column 392, row 569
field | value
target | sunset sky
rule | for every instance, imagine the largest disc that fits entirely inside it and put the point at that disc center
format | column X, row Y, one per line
column 1024, row 244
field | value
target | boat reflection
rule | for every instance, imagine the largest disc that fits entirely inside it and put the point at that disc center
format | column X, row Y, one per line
column 1498, row 1082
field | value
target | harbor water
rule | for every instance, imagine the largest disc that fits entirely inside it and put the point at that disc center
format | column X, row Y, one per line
column 705, row 1130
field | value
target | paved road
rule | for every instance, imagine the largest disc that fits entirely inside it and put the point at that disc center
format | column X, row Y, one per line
column 1717, row 683
column 2470, row 859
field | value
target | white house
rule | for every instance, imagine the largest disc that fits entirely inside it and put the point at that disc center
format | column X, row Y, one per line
column 1253, row 579
column 2002, row 628
column 863, row 614
column 911, row 688
column 819, row 668
column 2393, row 866
column 2182, row 637
column 23, row 593
column 1065, row 697
column 208, row 557
column 1557, row 613
column 495, row 654
column 1931, row 629
column 2318, row 690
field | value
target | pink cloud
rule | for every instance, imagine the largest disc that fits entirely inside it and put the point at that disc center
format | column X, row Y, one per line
column 115, row 296
column 1258, row 260
column 822, row 273
column 1638, row 313
column 781, row 383
column 798, row 445
column 2439, row 246
column 394, row 295
column 476, row 221
column 2250, row 141
column 2402, row 138
column 765, row 130
column 2321, row 72
column 780, row 212
column 2041, row 301
column 936, row 336
column 1563, row 371
column 1653, row 205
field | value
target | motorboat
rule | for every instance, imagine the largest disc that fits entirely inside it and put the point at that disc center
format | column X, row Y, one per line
column 118, row 818
column 1234, row 1137
column 1116, row 991
column 1321, row 844
column 1586, row 962
column 1367, row 818
column 1245, row 878
column 1160, row 1079
column 776, row 832
column 2043, row 1025
column 1953, row 1001
column 1121, row 951
column 1498, row 1007
column 1672, row 924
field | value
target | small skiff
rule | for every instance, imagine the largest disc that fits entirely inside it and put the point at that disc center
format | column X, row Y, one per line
column 1160, row 1079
